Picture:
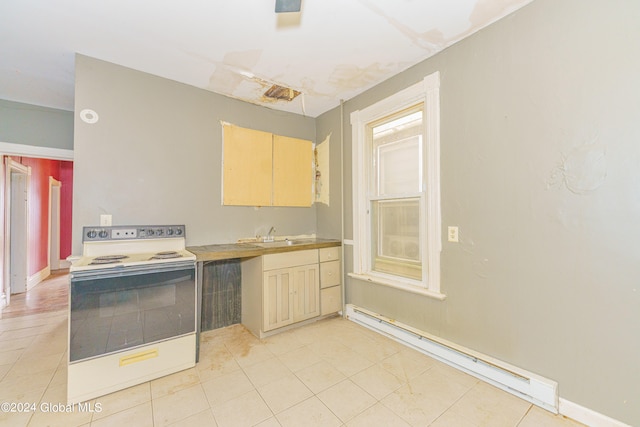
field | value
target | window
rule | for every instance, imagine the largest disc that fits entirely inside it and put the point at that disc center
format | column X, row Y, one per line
column 396, row 176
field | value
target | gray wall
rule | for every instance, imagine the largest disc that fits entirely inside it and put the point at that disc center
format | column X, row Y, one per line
column 540, row 145
column 330, row 216
column 33, row 125
column 154, row 156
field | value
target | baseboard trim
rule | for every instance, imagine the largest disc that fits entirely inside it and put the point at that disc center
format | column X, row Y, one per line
column 540, row 391
column 587, row 416
column 38, row 277
column 64, row 264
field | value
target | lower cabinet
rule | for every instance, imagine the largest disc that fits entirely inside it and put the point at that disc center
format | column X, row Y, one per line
column 290, row 295
column 279, row 290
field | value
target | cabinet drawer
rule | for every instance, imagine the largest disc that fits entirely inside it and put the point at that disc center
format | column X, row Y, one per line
column 95, row 377
column 289, row 259
column 330, row 254
column 330, row 300
column 329, row 274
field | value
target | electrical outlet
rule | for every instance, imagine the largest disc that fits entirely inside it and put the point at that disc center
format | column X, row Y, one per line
column 452, row 233
column 105, row 220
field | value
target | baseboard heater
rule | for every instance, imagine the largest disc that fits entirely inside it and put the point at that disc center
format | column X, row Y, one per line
column 528, row 386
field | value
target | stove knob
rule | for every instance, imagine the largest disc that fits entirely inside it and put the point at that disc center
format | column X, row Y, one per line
column 159, row 232
column 170, row 232
column 178, row 231
column 92, row 234
column 149, row 232
column 103, row 234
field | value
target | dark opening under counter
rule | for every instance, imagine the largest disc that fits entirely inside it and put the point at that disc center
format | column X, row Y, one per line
column 219, row 278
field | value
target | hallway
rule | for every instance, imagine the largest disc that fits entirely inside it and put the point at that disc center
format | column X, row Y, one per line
column 52, row 294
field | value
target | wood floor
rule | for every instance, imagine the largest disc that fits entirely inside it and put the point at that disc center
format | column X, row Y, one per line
column 52, row 294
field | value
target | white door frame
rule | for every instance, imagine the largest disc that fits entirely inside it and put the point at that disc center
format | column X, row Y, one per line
column 53, row 254
column 22, row 150
column 11, row 167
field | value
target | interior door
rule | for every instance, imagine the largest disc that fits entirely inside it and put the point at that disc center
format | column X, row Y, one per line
column 18, row 233
column 54, row 229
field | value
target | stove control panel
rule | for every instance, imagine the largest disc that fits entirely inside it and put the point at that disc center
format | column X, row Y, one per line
column 126, row 233
column 123, row 232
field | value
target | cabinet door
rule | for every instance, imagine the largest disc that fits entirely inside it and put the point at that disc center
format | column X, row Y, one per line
column 306, row 298
column 247, row 167
column 277, row 298
column 292, row 171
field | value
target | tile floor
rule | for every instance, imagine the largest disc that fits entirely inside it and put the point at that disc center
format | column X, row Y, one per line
column 330, row 373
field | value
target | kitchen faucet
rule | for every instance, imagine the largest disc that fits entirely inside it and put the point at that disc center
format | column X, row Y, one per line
column 269, row 237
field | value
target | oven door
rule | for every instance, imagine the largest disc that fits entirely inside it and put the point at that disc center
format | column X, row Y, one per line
column 126, row 307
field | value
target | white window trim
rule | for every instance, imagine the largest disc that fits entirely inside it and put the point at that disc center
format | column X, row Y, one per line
column 428, row 92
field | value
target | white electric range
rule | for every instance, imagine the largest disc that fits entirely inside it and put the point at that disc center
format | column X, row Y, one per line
column 132, row 305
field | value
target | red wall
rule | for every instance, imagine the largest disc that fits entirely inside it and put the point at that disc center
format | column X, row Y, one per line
column 41, row 170
column 66, row 204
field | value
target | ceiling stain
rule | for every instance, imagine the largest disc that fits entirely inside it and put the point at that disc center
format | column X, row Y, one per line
column 308, row 86
column 232, row 48
column 233, row 70
column 281, row 93
column 223, row 77
column 233, row 76
column 352, row 77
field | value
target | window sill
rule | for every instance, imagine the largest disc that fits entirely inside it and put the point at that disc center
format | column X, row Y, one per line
column 398, row 285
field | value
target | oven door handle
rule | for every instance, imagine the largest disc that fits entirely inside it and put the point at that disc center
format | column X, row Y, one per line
column 120, row 270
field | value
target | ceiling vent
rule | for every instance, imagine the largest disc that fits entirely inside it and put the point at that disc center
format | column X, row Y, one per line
column 281, row 93
column 286, row 6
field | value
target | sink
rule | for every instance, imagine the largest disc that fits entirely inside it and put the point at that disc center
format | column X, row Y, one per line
column 280, row 243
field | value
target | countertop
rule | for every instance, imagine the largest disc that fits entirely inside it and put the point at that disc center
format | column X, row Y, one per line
column 217, row 252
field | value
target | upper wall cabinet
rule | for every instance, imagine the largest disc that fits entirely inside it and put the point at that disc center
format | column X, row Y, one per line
column 292, row 171
column 263, row 169
column 247, row 165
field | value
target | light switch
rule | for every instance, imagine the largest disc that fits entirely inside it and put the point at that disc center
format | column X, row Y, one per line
column 452, row 233
column 105, row 220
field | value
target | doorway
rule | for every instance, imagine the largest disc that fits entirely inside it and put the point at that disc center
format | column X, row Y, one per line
column 25, row 160
column 16, row 227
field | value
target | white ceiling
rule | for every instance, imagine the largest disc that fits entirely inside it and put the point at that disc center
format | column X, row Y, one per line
column 331, row 50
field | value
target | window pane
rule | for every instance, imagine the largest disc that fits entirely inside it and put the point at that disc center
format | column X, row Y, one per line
column 396, row 245
column 399, row 167
column 397, row 154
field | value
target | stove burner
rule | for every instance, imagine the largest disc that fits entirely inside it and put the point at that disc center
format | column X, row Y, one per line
column 108, row 259
column 166, row 255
